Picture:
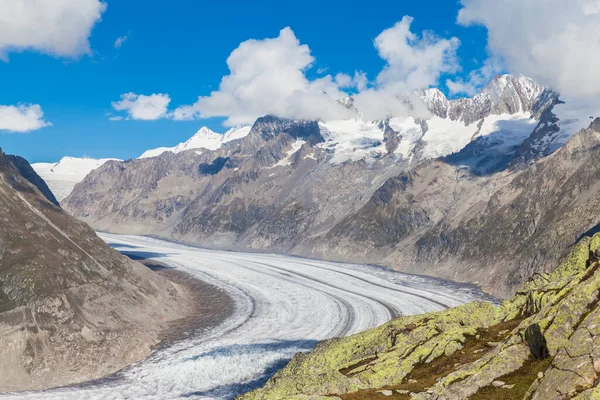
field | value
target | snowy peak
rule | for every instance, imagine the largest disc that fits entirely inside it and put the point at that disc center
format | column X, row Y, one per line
column 507, row 110
column 239, row 132
column 204, row 138
column 72, row 167
column 62, row 176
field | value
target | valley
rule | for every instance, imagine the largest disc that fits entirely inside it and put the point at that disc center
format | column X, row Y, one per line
column 300, row 200
column 283, row 305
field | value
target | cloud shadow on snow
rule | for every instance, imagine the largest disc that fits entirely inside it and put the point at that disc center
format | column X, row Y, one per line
column 235, row 389
column 121, row 245
column 489, row 154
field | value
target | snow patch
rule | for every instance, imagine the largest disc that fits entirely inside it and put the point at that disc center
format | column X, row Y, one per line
column 574, row 115
column 445, row 136
column 287, row 160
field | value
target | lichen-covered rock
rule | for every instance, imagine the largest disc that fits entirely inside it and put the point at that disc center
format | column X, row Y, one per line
column 549, row 347
column 378, row 357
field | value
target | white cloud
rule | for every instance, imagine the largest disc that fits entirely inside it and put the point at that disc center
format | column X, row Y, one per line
column 269, row 77
column 414, row 62
column 358, row 81
column 477, row 78
column 121, row 41
column 143, row 107
column 556, row 42
column 57, row 27
column 22, row 118
column 185, row 113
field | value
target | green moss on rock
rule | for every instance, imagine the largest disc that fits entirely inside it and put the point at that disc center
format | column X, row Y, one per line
column 563, row 303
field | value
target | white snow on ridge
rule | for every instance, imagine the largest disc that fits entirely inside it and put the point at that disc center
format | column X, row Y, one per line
column 445, row 136
column 203, row 139
column 61, row 177
column 285, row 161
column 283, row 305
column 353, row 139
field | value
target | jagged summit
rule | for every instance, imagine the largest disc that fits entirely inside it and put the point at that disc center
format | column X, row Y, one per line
column 505, row 94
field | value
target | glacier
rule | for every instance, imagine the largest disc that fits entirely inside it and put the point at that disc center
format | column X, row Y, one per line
column 283, row 305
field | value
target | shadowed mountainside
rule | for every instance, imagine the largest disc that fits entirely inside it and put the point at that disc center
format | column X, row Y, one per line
column 71, row 308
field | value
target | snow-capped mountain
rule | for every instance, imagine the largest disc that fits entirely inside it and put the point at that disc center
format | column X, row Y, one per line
column 508, row 109
column 504, row 121
column 62, row 176
column 505, row 94
column 203, row 139
column 321, row 188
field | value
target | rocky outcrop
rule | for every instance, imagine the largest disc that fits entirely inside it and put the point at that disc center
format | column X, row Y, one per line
column 71, row 308
column 540, row 344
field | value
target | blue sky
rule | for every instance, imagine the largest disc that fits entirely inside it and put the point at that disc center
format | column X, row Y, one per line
column 181, row 49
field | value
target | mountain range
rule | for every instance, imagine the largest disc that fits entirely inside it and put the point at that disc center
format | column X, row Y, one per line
column 427, row 195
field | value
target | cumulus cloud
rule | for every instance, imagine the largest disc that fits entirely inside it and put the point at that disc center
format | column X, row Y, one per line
column 269, row 77
column 22, row 118
column 359, row 81
column 414, row 62
column 142, row 107
column 556, row 42
column 57, row 27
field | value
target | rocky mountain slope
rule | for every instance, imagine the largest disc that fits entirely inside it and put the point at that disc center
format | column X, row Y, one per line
column 71, row 308
column 439, row 219
column 395, row 192
column 540, row 344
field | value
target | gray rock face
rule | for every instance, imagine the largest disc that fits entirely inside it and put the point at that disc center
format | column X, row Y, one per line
column 71, row 308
